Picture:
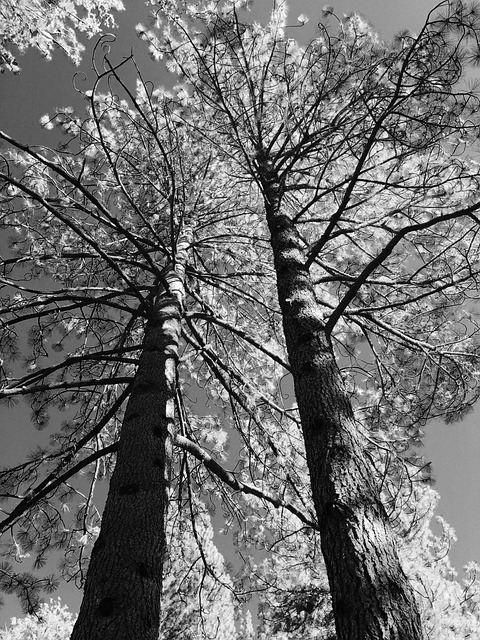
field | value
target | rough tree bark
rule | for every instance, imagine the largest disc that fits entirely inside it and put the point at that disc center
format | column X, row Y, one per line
column 124, row 580
column 371, row 596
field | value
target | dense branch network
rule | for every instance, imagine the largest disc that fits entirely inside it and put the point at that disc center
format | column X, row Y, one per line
column 339, row 166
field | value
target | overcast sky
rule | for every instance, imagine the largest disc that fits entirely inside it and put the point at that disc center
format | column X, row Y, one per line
column 453, row 450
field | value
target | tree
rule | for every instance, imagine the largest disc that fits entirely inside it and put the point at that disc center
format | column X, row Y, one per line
column 345, row 140
column 449, row 609
column 140, row 477
column 107, row 227
column 341, row 149
column 294, row 594
column 52, row 622
column 47, row 25
column 197, row 599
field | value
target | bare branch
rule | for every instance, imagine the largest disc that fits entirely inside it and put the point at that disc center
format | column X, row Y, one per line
column 232, row 481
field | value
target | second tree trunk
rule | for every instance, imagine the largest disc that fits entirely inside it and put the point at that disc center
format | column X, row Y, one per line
column 371, row 596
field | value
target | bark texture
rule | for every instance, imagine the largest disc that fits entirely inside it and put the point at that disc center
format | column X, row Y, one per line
column 124, row 580
column 371, row 596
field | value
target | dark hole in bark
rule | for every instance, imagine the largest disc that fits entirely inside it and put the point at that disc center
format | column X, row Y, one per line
column 308, row 368
column 105, row 607
column 143, row 570
column 305, row 338
column 130, row 489
column 132, row 416
column 152, row 349
column 339, row 452
column 280, row 223
column 145, row 385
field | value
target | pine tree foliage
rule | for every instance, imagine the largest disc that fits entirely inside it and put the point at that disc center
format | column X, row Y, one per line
column 197, row 601
column 47, row 25
column 449, row 607
column 52, row 622
column 294, row 593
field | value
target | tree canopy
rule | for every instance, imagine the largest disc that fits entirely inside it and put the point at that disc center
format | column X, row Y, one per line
column 48, row 25
column 287, row 219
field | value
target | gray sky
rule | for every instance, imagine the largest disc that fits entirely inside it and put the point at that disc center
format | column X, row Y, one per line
column 454, row 450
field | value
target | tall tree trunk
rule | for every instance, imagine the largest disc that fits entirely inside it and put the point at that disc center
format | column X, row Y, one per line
column 124, row 580
column 371, row 596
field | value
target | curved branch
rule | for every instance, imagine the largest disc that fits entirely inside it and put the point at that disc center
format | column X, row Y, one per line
column 216, row 365
column 108, row 356
column 232, row 481
column 78, row 185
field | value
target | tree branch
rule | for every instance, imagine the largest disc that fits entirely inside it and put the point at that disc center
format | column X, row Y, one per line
column 242, row 334
column 386, row 251
column 73, row 226
column 232, row 481
column 75, row 182
column 21, row 391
